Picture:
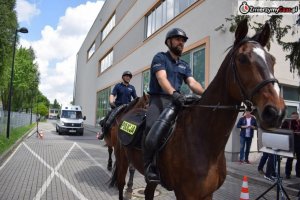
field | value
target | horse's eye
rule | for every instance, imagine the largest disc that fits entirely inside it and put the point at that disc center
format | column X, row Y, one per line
column 243, row 59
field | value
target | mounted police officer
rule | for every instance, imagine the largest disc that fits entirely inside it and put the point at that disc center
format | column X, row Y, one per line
column 122, row 94
column 167, row 74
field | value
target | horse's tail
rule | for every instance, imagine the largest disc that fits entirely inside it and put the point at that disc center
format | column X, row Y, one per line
column 114, row 176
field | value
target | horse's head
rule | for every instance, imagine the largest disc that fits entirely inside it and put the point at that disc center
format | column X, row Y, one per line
column 253, row 80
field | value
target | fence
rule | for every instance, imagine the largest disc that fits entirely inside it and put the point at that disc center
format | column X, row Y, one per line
column 16, row 120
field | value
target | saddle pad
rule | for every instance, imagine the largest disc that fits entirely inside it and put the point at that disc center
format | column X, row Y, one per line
column 132, row 127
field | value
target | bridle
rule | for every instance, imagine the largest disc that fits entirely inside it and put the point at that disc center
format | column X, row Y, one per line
column 246, row 99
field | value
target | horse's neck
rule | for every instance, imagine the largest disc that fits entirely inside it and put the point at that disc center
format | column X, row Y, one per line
column 216, row 124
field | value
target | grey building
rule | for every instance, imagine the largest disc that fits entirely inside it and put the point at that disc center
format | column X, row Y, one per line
column 127, row 34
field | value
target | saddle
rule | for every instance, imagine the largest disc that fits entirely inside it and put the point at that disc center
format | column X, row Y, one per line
column 132, row 127
column 107, row 122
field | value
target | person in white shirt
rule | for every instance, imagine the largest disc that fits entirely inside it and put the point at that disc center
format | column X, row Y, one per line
column 247, row 124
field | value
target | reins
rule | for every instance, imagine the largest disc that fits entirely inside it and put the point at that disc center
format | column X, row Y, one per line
column 193, row 100
column 246, row 99
column 240, row 108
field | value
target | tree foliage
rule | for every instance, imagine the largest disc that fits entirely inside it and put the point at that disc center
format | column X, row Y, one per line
column 25, row 82
column 55, row 104
column 26, row 74
column 41, row 104
column 278, row 30
column 8, row 25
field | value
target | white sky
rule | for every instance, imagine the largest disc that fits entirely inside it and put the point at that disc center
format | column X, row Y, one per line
column 57, row 45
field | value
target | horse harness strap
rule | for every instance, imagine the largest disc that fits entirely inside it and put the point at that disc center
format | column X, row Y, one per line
column 218, row 106
column 262, row 84
column 193, row 100
column 247, row 100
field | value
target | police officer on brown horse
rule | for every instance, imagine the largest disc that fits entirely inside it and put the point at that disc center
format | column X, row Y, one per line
column 167, row 74
column 122, row 94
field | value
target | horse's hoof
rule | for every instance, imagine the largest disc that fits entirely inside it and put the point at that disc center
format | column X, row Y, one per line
column 127, row 196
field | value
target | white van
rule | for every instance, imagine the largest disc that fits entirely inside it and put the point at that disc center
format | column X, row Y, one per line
column 70, row 120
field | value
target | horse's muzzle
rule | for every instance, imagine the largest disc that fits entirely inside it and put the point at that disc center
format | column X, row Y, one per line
column 272, row 117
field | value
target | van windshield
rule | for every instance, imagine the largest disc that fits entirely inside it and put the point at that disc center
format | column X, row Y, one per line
column 71, row 114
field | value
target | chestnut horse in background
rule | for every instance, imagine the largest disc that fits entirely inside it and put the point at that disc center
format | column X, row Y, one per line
column 192, row 163
column 111, row 137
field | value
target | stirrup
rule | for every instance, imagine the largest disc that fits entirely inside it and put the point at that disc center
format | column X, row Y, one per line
column 151, row 176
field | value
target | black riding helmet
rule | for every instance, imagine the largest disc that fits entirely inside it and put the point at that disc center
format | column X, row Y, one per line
column 127, row 73
column 175, row 32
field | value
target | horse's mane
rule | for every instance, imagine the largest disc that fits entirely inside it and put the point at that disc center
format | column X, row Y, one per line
column 132, row 104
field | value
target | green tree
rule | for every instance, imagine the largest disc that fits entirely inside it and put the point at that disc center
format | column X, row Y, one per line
column 26, row 75
column 8, row 26
column 26, row 80
column 41, row 109
column 41, row 104
column 55, row 104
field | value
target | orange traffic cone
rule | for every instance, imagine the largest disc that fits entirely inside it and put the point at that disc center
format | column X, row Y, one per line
column 40, row 134
column 244, row 190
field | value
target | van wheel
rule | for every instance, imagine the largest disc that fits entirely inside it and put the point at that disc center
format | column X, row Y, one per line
column 81, row 133
column 59, row 132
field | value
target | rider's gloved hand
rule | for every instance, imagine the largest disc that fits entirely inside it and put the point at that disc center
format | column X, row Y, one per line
column 112, row 105
column 178, row 99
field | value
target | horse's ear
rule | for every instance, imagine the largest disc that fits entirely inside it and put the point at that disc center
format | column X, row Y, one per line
column 264, row 35
column 241, row 31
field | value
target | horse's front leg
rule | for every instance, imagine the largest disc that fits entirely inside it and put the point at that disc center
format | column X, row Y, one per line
column 109, row 164
column 130, row 182
column 149, row 191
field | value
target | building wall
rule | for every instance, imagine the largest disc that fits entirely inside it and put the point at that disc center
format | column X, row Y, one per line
column 133, row 52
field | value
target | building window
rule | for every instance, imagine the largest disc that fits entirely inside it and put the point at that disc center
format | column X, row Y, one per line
column 106, row 62
column 290, row 110
column 146, row 81
column 91, row 50
column 290, row 93
column 164, row 12
column 196, row 60
column 108, row 27
column 102, row 104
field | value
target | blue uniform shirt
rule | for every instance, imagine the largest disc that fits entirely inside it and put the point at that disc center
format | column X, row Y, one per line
column 123, row 93
column 177, row 72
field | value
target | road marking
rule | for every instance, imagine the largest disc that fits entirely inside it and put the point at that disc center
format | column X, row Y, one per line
column 8, row 159
column 54, row 172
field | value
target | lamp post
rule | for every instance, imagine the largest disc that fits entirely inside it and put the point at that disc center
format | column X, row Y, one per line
column 21, row 30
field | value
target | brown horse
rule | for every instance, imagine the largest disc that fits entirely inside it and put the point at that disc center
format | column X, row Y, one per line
column 193, row 163
column 111, row 137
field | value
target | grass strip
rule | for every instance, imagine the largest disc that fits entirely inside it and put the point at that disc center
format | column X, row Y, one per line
column 15, row 134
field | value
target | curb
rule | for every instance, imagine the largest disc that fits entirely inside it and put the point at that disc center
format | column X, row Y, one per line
column 94, row 129
column 8, row 152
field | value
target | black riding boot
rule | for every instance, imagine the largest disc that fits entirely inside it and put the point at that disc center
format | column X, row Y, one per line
column 150, row 169
column 103, row 123
column 104, row 132
column 153, row 139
